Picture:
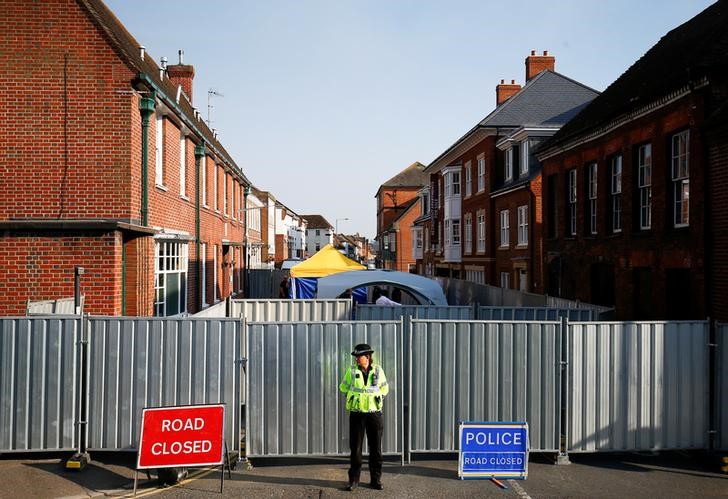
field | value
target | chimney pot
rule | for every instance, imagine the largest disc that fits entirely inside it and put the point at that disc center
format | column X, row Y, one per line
column 533, row 52
column 142, row 49
column 502, row 82
column 545, row 52
column 513, row 82
column 182, row 56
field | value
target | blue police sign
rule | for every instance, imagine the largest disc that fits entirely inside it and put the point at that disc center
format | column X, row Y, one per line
column 493, row 450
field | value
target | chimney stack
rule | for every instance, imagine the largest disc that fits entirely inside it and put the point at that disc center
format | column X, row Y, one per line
column 537, row 63
column 182, row 74
column 504, row 91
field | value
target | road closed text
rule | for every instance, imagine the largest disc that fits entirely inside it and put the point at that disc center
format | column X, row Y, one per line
column 181, row 436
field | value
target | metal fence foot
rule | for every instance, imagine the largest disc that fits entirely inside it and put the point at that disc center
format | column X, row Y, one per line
column 78, row 461
column 562, row 458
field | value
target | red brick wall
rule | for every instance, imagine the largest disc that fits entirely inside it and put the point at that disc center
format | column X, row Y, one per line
column 42, row 268
column 717, row 147
column 659, row 249
column 71, row 131
column 64, row 112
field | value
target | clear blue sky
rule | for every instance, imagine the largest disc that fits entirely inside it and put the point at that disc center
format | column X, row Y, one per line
column 326, row 100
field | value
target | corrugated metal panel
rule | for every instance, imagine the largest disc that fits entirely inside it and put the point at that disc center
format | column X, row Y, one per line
column 294, row 370
column 535, row 314
column 384, row 313
column 38, row 383
column 216, row 311
column 482, row 371
column 292, row 310
column 60, row 306
column 721, row 360
column 265, row 283
column 145, row 362
column 637, row 386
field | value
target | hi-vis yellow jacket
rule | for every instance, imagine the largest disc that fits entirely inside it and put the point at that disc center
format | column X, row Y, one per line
column 361, row 397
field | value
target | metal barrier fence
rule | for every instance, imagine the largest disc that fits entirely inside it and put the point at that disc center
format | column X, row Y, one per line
column 721, row 367
column 60, row 306
column 285, row 310
column 265, row 283
column 483, row 371
column 151, row 362
column 535, row 314
column 218, row 311
column 294, row 404
column 39, row 383
column 385, row 313
column 637, row 386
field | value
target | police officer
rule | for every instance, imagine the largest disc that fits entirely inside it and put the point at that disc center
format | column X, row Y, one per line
column 365, row 386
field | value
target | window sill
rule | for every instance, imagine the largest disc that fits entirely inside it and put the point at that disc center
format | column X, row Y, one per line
column 500, row 248
column 161, row 187
column 182, row 196
column 522, row 246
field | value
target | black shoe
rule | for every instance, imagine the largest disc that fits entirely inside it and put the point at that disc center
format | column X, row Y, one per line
column 377, row 485
column 351, row 486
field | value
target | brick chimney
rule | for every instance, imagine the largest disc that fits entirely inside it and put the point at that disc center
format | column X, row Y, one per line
column 537, row 63
column 182, row 74
column 505, row 91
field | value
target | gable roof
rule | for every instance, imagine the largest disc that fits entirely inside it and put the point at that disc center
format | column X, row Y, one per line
column 317, row 222
column 412, row 176
column 686, row 54
column 549, row 99
column 127, row 48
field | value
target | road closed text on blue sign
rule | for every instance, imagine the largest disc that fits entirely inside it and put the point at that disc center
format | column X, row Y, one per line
column 493, row 450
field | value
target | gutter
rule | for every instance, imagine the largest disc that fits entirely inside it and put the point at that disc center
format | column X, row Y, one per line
column 189, row 123
column 74, row 224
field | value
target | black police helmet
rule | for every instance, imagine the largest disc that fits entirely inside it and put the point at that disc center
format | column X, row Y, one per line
column 362, row 349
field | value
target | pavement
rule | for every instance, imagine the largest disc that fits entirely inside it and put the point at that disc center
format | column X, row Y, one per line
column 668, row 474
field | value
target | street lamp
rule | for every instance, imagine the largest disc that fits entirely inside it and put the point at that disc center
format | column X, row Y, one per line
column 337, row 224
column 246, row 257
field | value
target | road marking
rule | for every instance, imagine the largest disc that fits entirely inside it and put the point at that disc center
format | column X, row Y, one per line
column 191, row 477
column 519, row 489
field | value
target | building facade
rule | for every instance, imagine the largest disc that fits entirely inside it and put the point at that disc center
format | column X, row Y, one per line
column 482, row 209
column 396, row 211
column 108, row 166
column 319, row 233
column 634, row 186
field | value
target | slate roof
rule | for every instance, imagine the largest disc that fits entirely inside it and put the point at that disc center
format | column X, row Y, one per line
column 127, row 48
column 412, row 176
column 317, row 222
column 682, row 57
column 549, row 99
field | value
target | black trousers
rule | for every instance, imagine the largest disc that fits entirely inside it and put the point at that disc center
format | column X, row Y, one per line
column 372, row 424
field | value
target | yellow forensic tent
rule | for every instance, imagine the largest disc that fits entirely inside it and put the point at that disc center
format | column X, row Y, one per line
column 327, row 261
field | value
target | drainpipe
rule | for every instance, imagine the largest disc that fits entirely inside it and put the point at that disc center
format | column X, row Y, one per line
column 146, row 108
column 199, row 156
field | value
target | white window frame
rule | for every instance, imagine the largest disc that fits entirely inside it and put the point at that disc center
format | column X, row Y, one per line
column 505, row 280
column 505, row 223
column 523, row 225
column 468, row 234
column 680, row 160
column 616, row 190
column 481, row 231
column 182, row 165
column 203, row 167
column 447, row 233
column 572, row 201
column 468, row 179
column 593, row 172
column 233, row 197
column 203, row 290
column 427, row 239
column 216, row 203
column 523, row 167
column 225, row 193
column 644, row 185
column 216, row 296
column 456, row 236
column 159, row 152
column 508, row 174
column 481, row 173
column 170, row 257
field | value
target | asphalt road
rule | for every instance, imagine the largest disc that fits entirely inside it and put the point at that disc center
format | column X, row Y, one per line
column 670, row 474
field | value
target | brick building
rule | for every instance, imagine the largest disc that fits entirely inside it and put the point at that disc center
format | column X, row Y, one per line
column 635, row 186
column 482, row 209
column 107, row 165
column 396, row 210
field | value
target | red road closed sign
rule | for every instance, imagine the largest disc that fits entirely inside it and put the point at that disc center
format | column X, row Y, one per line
column 181, row 436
